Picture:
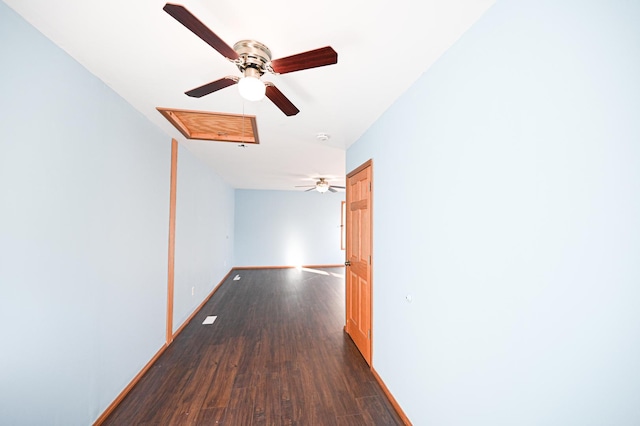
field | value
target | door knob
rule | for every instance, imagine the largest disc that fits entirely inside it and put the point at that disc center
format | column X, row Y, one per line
column 347, row 263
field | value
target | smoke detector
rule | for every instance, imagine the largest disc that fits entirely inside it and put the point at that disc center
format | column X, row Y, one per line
column 323, row 137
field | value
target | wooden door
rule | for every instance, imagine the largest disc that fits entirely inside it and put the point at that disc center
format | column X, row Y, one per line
column 358, row 264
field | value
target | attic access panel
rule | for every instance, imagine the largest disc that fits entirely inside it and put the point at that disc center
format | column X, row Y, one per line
column 213, row 126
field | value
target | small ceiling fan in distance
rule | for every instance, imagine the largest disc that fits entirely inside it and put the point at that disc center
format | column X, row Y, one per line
column 321, row 186
column 253, row 59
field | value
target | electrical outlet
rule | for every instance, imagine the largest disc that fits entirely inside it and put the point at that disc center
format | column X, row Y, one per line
column 193, row 291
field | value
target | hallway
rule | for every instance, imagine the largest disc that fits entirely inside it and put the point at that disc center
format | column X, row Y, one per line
column 275, row 355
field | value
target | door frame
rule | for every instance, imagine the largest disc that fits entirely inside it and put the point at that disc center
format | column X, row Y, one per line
column 368, row 163
column 172, row 239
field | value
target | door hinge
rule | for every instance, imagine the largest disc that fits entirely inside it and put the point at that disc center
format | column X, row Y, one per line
column 369, row 186
column 369, row 334
column 369, row 259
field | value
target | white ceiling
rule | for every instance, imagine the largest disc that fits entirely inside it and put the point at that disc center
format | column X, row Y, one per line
column 151, row 59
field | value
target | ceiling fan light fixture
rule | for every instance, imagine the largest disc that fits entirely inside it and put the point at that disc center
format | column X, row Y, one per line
column 251, row 88
column 322, row 186
column 253, row 59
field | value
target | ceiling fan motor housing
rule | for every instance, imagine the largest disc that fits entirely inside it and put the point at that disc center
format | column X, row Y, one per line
column 253, row 57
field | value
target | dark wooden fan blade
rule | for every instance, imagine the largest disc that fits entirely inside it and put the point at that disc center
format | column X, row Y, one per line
column 339, row 187
column 310, row 189
column 199, row 92
column 302, row 61
column 281, row 100
column 331, row 189
column 186, row 18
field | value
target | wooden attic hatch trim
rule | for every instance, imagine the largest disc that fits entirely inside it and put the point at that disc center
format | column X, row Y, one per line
column 213, row 126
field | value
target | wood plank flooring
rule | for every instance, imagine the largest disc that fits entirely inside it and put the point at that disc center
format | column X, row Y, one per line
column 276, row 355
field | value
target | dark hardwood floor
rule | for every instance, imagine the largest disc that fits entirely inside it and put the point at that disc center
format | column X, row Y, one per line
column 275, row 355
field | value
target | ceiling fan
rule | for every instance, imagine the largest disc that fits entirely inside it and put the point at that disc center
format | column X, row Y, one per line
column 253, row 59
column 321, row 186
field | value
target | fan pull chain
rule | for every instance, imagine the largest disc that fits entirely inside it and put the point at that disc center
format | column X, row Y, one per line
column 242, row 136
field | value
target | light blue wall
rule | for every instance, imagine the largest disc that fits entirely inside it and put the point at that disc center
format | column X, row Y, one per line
column 204, row 234
column 287, row 228
column 507, row 203
column 84, row 214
